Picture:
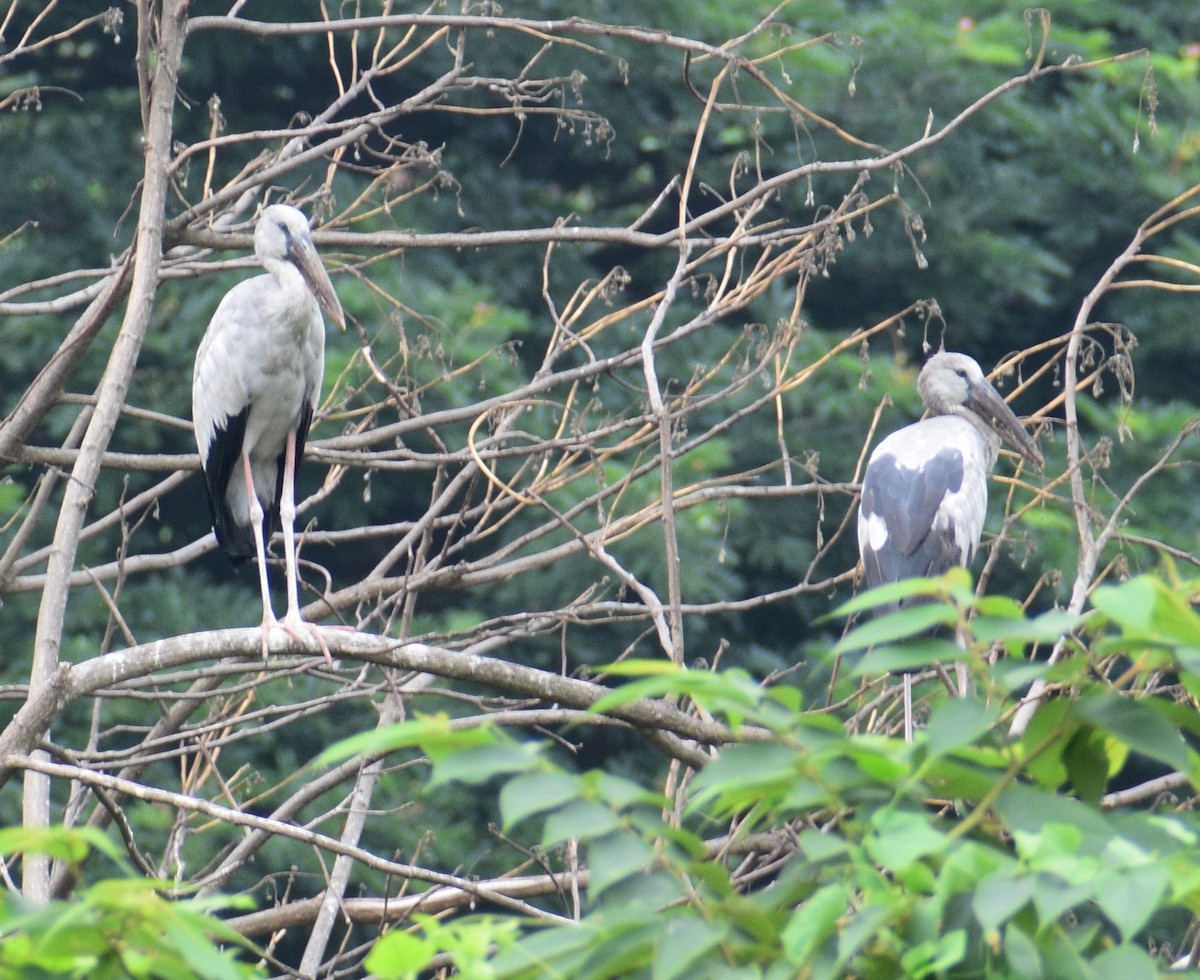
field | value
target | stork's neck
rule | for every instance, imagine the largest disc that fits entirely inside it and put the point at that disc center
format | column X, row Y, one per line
column 292, row 305
column 284, row 272
column 291, row 282
column 991, row 440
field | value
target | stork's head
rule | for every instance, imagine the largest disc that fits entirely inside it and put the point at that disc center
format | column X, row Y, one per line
column 282, row 235
column 954, row 384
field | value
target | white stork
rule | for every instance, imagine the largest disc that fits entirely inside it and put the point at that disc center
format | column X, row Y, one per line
column 924, row 495
column 255, row 386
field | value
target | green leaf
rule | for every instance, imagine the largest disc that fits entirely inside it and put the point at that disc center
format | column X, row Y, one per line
column 935, row 956
column 683, row 944
column 1016, row 675
column 1047, row 736
column 1058, row 825
column 1087, row 763
column 548, row 952
column 966, row 865
column 1058, row 848
column 1000, row 896
column 479, row 764
column 535, row 792
column 431, row 731
column 969, row 774
column 635, row 667
column 1130, row 896
column 899, row 838
column 860, row 929
column 743, row 772
column 1145, row 607
column 817, row 846
column 613, row 857
column 813, row 922
column 954, row 585
column 1024, row 961
column 1046, row 628
column 802, row 794
column 202, row 956
column 69, row 844
column 999, row 609
column 1053, row 896
column 618, row 792
column 904, row 624
column 1126, row 962
column 1130, row 604
column 727, row 688
column 1138, row 725
column 691, row 845
column 881, row 765
column 744, row 912
column 580, row 820
column 908, row 655
column 958, row 722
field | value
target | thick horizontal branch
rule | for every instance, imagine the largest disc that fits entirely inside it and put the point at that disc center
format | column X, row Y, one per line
column 376, row 911
column 74, row 681
column 1145, row 791
column 456, row 241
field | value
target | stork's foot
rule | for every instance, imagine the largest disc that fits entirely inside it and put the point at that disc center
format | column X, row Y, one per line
column 303, row 632
column 306, row 634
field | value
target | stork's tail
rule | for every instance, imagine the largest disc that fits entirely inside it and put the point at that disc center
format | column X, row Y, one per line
column 223, row 473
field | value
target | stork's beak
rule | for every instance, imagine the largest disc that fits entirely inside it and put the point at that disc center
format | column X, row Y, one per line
column 987, row 403
column 304, row 255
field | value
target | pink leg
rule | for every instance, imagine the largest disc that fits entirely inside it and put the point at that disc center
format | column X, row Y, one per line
column 292, row 622
column 256, row 523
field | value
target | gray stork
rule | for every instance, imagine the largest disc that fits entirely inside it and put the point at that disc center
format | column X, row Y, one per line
column 254, row 389
column 924, row 495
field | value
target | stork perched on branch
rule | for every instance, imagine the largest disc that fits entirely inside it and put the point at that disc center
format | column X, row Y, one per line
column 924, row 495
column 255, row 387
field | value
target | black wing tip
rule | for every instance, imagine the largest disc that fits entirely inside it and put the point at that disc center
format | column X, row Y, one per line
column 237, row 540
column 223, row 462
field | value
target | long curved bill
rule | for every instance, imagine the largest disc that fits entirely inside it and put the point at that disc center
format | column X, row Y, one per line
column 304, row 255
column 986, row 401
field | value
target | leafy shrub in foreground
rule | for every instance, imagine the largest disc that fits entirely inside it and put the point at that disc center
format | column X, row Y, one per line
column 966, row 853
column 117, row 927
